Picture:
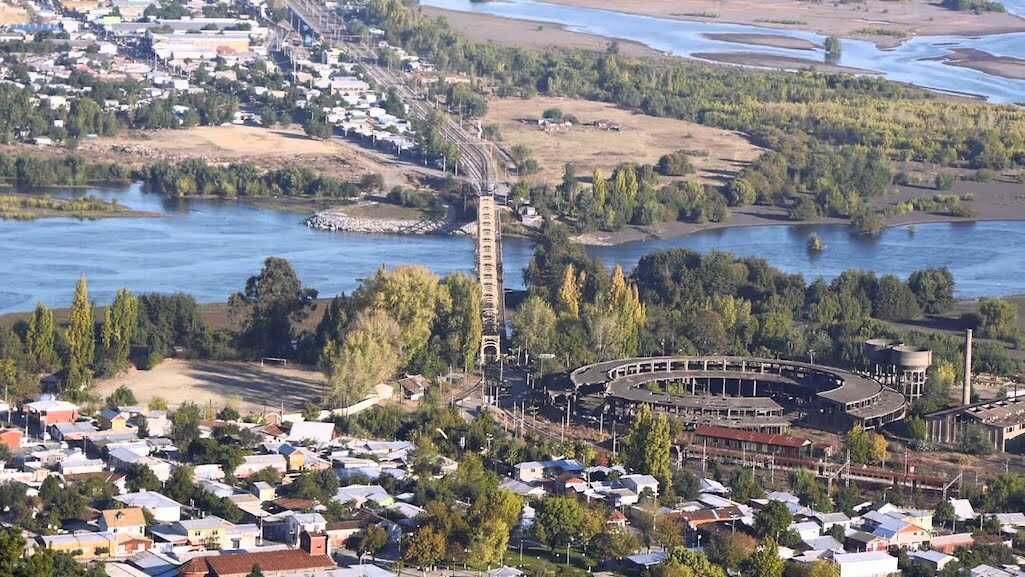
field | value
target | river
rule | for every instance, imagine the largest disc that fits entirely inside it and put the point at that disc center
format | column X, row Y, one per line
column 914, row 61
column 209, row 248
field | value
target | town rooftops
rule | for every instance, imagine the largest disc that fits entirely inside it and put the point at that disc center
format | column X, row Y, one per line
column 751, row 437
column 50, row 406
column 147, row 500
column 269, row 562
column 128, row 517
column 315, row 431
column 867, row 556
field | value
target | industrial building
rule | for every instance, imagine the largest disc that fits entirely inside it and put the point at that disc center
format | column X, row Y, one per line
column 899, row 366
column 1002, row 420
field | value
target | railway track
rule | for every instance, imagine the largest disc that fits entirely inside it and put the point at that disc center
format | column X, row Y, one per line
column 474, row 159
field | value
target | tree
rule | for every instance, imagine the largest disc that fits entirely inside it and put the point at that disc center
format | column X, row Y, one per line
column 730, row 549
column 119, row 322
column 81, row 339
column 865, row 446
column 141, row 478
column 412, row 296
column 934, row 289
column 765, row 562
column 270, row 303
column 534, row 325
column 185, row 426
column 489, row 543
column 998, row 318
column 675, row 164
column 833, row 49
column 647, row 447
column 121, row 397
column 773, row 520
column 666, row 533
column 40, row 338
column 746, row 487
column 895, row 301
column 461, row 326
column 373, row 539
column 425, row 549
column 615, row 543
column 569, row 293
column 628, row 312
column 558, row 521
column 944, row 513
column 366, row 356
column 256, row 572
column 975, row 440
column 917, row 428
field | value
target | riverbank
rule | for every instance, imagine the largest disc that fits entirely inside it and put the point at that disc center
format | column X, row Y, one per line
column 36, row 207
column 772, row 61
column 380, row 218
column 774, row 40
column 1007, row 67
column 530, row 33
column 991, row 201
column 883, row 22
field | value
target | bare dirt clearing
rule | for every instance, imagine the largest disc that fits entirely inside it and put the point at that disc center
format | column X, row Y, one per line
column 267, row 147
column 641, row 138
column 247, row 387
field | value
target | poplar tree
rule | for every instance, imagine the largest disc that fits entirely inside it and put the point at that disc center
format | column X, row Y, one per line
column 626, row 307
column 656, row 454
column 80, row 338
column 634, row 453
column 569, row 292
column 600, row 190
column 40, row 338
column 118, row 328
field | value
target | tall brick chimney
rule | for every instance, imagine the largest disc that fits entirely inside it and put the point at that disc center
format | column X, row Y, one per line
column 966, row 387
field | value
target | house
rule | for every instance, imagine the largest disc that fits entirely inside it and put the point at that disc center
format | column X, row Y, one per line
column 82, row 546
column 640, row 483
column 10, row 438
column 43, row 413
column 861, row 542
column 114, row 420
column 129, row 520
column 752, row 442
column 712, row 486
column 360, row 494
column 828, row 520
column 311, row 431
column 271, row 563
column 806, row 529
column 963, row 510
column 932, row 560
column 990, row 571
column 522, row 489
column 505, row 571
column 950, row 543
column 163, row 509
column 530, row 471
column 413, row 387
column 254, row 463
column 263, row 490
column 869, row 564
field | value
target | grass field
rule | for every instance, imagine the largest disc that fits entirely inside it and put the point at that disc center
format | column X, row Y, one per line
column 643, row 139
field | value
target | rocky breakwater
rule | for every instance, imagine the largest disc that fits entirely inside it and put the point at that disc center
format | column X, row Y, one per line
column 335, row 220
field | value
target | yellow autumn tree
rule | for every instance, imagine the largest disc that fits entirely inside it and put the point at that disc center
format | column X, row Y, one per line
column 569, row 292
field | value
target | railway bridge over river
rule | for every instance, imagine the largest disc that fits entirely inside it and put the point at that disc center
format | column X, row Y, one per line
column 475, row 160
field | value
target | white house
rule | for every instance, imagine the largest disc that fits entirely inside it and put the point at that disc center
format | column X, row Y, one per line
column 869, row 564
column 639, row 483
column 530, row 471
column 163, row 509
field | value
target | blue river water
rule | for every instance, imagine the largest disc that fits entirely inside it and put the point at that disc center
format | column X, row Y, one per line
column 916, row 61
column 209, row 248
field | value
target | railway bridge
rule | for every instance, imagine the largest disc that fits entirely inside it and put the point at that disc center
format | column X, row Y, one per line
column 317, row 18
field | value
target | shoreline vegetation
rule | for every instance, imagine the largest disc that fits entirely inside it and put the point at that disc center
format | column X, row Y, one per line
column 28, row 207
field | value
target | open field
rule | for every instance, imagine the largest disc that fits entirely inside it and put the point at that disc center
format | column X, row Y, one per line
column 13, row 13
column 247, row 387
column 267, row 147
column 863, row 20
column 642, row 138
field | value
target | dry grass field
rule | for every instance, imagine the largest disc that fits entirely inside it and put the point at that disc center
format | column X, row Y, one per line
column 247, row 387
column 12, row 13
column 266, row 147
column 642, row 139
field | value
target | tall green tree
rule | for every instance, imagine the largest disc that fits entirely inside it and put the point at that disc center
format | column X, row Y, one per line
column 271, row 302
column 765, row 562
column 461, row 327
column 119, row 322
column 39, row 339
column 81, row 340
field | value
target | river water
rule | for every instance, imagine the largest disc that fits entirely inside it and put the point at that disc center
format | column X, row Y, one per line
column 912, row 61
column 209, row 248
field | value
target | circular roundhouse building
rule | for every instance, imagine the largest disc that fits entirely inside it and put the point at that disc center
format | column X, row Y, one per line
column 748, row 393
